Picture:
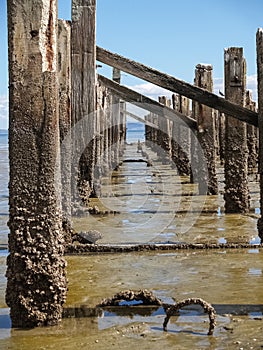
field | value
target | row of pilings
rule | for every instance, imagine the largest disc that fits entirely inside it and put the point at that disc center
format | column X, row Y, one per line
column 65, row 132
column 219, row 140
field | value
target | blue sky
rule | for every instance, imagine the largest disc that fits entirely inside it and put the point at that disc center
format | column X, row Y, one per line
column 172, row 36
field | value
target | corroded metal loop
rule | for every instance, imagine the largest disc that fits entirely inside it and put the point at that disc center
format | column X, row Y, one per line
column 208, row 308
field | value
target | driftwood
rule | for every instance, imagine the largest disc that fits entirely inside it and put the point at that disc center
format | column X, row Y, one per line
column 208, row 308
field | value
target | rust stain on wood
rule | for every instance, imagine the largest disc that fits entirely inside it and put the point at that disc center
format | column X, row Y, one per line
column 50, row 34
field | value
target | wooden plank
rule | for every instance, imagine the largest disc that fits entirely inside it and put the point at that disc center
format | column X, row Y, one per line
column 146, row 103
column 236, row 181
column 178, row 86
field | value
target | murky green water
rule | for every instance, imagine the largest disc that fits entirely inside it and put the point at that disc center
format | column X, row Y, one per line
column 154, row 205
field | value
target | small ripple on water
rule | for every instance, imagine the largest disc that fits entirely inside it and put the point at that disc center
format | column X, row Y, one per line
column 253, row 251
column 255, row 272
column 255, row 315
column 255, row 240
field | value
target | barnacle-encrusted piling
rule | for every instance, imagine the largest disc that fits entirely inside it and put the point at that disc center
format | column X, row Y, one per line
column 236, row 154
column 36, row 279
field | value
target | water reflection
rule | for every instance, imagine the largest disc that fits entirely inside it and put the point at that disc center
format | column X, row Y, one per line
column 154, row 204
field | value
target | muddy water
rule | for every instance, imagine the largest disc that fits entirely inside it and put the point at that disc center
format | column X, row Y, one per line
column 154, row 205
column 235, row 286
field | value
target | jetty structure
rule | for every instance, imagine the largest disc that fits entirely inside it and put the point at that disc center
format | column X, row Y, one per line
column 67, row 128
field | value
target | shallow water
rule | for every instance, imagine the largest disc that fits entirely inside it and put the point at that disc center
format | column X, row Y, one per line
column 237, row 285
column 155, row 205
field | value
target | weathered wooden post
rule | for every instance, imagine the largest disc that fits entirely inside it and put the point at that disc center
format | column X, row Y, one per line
column 116, row 76
column 206, row 131
column 221, row 136
column 154, row 132
column 36, row 279
column 64, row 78
column 236, row 183
column 83, row 50
column 252, row 139
column 260, row 123
column 164, row 133
column 123, row 121
column 121, row 117
column 147, row 130
column 180, row 143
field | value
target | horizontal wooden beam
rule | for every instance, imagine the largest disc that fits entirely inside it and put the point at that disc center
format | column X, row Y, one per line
column 140, row 119
column 147, row 103
column 178, row 86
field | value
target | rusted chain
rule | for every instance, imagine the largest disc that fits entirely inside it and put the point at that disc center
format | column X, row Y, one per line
column 144, row 295
column 148, row 298
column 173, row 309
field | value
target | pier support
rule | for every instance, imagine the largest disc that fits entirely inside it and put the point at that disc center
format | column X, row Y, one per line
column 36, row 279
column 115, row 129
column 181, row 141
column 236, row 182
column 64, row 78
column 221, row 136
column 164, row 134
column 252, row 139
column 260, row 123
column 206, row 132
column 83, row 50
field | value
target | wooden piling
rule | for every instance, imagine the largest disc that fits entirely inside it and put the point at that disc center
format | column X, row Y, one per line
column 252, row 139
column 236, row 183
column 36, row 280
column 164, row 134
column 123, row 121
column 116, row 76
column 180, row 142
column 221, row 136
column 64, row 78
column 206, row 132
column 260, row 123
column 83, row 50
